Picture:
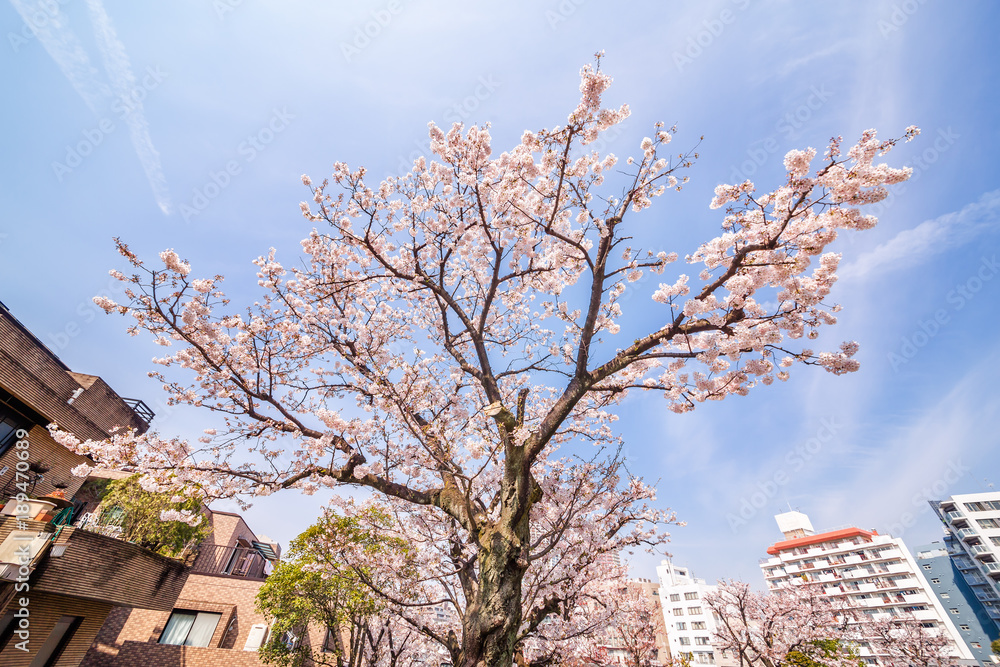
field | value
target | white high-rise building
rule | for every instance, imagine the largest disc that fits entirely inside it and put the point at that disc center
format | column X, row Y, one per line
column 974, row 521
column 690, row 623
column 875, row 573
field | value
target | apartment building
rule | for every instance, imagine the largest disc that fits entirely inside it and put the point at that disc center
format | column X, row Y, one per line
column 213, row 620
column 59, row 582
column 690, row 624
column 972, row 522
column 874, row 573
column 964, row 592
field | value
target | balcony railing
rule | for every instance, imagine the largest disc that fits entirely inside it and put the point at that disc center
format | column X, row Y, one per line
column 966, row 533
column 232, row 561
column 141, row 409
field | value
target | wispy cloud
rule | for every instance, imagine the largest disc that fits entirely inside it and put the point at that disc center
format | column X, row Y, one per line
column 912, row 246
column 62, row 44
column 119, row 69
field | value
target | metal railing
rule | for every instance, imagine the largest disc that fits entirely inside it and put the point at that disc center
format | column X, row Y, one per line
column 232, row 561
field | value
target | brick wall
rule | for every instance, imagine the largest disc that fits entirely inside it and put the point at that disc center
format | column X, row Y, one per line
column 42, row 448
column 45, row 610
column 232, row 597
column 136, row 654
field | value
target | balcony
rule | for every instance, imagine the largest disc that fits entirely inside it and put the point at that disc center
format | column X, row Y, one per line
column 243, row 562
column 980, row 550
column 955, row 518
column 140, row 409
column 993, row 569
column 966, row 534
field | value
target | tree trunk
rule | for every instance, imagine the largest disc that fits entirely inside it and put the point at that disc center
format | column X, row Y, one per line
column 492, row 621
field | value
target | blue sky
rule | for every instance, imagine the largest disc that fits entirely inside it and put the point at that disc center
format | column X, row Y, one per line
column 188, row 124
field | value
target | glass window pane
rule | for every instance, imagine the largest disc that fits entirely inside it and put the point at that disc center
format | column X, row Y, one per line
column 177, row 628
column 203, row 629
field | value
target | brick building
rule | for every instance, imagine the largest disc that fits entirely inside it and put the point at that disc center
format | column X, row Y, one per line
column 58, row 583
column 212, row 622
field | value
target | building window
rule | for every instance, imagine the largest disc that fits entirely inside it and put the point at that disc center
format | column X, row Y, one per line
column 976, row 645
column 995, row 540
column 935, row 581
column 57, row 640
column 691, row 596
column 693, row 611
column 8, row 432
column 681, row 625
column 698, row 625
column 954, row 611
column 190, row 628
column 988, row 523
column 684, row 641
column 964, row 627
column 675, row 597
column 701, row 641
column 927, row 567
column 678, row 611
column 945, row 595
column 984, row 506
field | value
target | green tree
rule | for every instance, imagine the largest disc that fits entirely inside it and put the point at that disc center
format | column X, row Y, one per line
column 819, row 653
column 995, row 646
column 141, row 513
column 328, row 582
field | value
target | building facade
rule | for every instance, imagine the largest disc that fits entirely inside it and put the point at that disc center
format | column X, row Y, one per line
column 213, row 620
column 960, row 589
column 690, row 624
column 58, row 582
column 876, row 574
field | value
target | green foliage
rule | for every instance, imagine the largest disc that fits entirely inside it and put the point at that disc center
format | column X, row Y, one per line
column 811, row 654
column 316, row 587
column 138, row 512
column 995, row 646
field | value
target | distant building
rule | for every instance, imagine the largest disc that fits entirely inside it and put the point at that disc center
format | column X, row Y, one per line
column 964, row 593
column 690, row 624
column 972, row 544
column 874, row 573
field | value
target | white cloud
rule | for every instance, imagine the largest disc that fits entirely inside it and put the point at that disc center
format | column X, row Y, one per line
column 51, row 26
column 912, row 246
column 119, row 69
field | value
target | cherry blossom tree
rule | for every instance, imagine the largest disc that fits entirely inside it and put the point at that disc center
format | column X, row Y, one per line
column 904, row 641
column 798, row 626
column 451, row 340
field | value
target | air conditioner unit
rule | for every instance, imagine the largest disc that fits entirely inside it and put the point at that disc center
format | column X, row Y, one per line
column 256, row 637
